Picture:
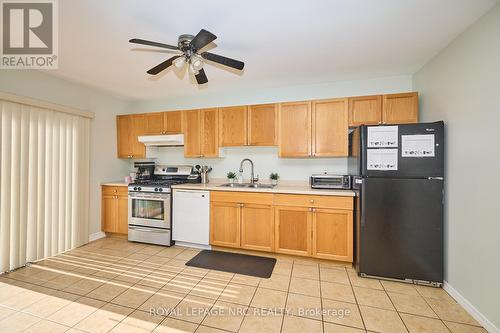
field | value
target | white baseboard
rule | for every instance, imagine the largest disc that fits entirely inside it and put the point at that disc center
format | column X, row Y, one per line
column 96, row 236
column 471, row 309
column 193, row 245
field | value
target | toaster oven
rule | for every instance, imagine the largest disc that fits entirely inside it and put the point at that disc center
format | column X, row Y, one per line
column 329, row 181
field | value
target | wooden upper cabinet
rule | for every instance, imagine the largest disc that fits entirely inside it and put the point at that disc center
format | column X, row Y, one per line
column 200, row 128
column 233, row 126
column 330, row 129
column 138, row 123
column 365, row 110
column 172, row 122
column 129, row 128
column 400, row 108
column 295, row 129
column 123, row 136
column 153, row 123
column 262, row 125
column 157, row 123
column 209, row 133
column 191, row 127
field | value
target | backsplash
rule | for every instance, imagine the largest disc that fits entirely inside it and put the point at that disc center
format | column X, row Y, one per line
column 265, row 159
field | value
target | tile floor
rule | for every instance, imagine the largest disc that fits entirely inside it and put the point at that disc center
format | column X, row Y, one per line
column 111, row 285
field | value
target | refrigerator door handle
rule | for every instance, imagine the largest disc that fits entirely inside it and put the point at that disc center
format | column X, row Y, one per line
column 363, row 202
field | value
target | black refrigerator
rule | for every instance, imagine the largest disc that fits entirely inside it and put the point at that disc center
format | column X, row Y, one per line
column 398, row 174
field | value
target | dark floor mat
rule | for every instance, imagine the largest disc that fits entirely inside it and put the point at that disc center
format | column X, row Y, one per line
column 261, row 267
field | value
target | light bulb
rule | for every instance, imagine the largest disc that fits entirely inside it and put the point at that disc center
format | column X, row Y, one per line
column 193, row 70
column 197, row 62
column 179, row 62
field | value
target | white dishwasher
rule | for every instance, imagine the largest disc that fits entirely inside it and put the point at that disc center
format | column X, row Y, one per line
column 191, row 217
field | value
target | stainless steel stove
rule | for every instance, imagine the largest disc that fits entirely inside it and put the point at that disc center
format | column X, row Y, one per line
column 149, row 208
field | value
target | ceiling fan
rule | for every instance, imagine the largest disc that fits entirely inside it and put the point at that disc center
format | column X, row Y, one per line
column 190, row 45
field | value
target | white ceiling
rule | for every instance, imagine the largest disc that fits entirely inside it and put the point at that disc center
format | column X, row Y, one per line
column 281, row 42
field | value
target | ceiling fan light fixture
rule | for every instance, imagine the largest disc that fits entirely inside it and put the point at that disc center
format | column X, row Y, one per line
column 193, row 70
column 197, row 62
column 180, row 62
column 188, row 45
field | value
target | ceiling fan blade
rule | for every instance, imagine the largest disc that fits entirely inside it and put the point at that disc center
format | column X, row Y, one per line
column 223, row 60
column 202, row 39
column 201, row 77
column 150, row 43
column 164, row 65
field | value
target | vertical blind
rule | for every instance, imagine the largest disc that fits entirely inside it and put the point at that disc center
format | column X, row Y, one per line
column 44, row 182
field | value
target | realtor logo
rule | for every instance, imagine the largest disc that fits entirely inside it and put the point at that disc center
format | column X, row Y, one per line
column 29, row 34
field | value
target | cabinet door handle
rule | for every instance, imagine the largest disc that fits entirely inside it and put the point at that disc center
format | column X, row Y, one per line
column 310, row 209
column 311, row 201
column 242, row 205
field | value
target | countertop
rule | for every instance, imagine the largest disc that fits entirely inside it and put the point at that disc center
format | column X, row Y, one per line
column 289, row 188
column 115, row 183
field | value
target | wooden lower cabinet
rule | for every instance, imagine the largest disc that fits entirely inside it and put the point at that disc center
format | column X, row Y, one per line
column 225, row 220
column 293, row 230
column 242, row 220
column 257, row 227
column 108, row 214
column 303, row 225
column 332, row 234
column 122, row 214
column 114, row 210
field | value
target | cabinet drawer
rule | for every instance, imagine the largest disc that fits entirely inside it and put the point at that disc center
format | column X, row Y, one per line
column 241, row 197
column 114, row 190
column 313, row 201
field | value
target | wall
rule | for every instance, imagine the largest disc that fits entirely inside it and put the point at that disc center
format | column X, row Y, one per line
column 461, row 85
column 104, row 165
column 266, row 159
column 271, row 94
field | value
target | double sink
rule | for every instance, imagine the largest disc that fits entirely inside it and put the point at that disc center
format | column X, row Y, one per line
column 247, row 185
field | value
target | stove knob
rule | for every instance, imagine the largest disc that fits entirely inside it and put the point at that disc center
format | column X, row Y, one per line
column 139, row 188
column 156, row 189
column 161, row 190
column 135, row 188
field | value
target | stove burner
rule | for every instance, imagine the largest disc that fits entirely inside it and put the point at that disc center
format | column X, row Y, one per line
column 164, row 183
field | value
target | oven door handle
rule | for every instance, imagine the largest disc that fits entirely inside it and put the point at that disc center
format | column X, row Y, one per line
column 157, row 198
column 146, row 229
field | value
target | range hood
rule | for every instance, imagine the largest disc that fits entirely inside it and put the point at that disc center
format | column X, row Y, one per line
column 168, row 140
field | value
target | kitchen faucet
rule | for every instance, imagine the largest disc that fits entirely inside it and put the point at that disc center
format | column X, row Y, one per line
column 252, row 178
